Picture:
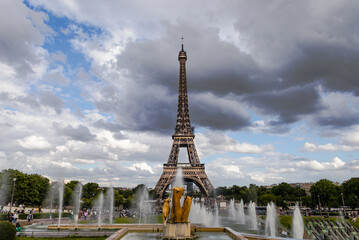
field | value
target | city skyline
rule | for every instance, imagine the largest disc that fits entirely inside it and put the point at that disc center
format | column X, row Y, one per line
column 89, row 89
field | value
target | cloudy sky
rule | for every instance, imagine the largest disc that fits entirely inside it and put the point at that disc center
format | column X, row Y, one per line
column 88, row 89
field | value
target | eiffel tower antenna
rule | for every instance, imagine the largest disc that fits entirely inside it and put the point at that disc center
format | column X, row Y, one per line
column 183, row 137
column 182, row 41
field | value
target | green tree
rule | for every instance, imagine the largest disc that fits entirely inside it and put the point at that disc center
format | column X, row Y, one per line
column 326, row 192
column 221, row 191
column 298, row 193
column 264, row 199
column 30, row 189
column 90, row 191
column 128, row 202
column 152, row 194
column 69, row 190
column 119, row 199
column 252, row 193
column 283, row 189
column 350, row 189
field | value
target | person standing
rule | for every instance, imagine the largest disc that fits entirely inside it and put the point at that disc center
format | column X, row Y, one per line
column 85, row 215
column 15, row 218
column 29, row 217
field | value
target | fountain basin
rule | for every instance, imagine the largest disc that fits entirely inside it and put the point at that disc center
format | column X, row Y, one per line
column 152, row 231
column 177, row 230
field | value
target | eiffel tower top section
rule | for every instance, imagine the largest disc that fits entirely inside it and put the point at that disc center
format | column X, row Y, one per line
column 183, row 124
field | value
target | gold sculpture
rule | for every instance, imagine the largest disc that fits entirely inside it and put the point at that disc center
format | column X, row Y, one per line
column 186, row 208
column 178, row 213
column 165, row 211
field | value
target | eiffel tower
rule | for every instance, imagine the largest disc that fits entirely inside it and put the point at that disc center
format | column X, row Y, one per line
column 183, row 137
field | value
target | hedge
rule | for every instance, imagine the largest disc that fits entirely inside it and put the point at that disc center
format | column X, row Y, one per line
column 3, row 217
column 7, row 231
column 325, row 213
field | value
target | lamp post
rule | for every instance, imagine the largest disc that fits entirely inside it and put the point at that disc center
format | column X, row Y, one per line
column 343, row 203
column 301, row 202
column 12, row 195
column 320, row 208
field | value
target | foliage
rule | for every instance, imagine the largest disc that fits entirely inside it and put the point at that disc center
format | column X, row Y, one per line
column 285, row 221
column 152, row 194
column 355, row 224
column 279, row 194
column 264, row 199
column 69, row 190
column 30, row 189
column 350, row 189
column 7, row 231
column 37, row 215
column 326, row 193
column 90, row 192
column 119, row 198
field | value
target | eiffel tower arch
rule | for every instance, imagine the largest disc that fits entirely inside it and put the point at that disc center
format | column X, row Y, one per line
column 183, row 137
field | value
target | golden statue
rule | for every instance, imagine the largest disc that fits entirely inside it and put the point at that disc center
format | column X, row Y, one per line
column 176, row 212
column 165, row 210
column 186, row 208
column 178, row 226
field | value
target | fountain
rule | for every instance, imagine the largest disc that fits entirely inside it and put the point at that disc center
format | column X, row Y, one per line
column 109, row 201
column 179, row 178
column 297, row 223
column 241, row 216
column 216, row 216
column 252, row 215
column 51, row 200
column 232, row 209
column 201, row 215
column 99, row 206
column 77, row 200
column 61, row 199
column 143, row 207
column 270, row 226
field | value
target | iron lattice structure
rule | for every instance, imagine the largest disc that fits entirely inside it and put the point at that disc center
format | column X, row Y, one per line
column 183, row 137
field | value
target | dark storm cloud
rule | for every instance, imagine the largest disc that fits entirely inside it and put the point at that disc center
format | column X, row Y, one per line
column 213, row 66
column 219, row 112
column 220, row 68
column 112, row 127
column 334, row 66
column 80, row 133
column 282, row 55
column 288, row 104
column 337, row 121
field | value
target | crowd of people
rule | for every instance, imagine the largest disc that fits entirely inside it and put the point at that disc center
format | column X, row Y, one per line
column 13, row 216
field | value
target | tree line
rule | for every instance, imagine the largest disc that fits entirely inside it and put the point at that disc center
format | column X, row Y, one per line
column 36, row 190
column 323, row 193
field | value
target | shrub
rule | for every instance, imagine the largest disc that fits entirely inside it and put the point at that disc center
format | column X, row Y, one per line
column 3, row 217
column 7, row 231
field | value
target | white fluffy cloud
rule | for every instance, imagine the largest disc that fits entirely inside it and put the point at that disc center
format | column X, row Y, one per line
column 34, row 142
column 315, row 165
column 212, row 142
